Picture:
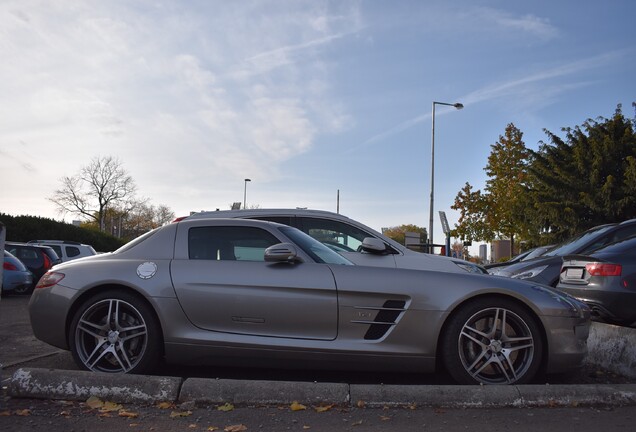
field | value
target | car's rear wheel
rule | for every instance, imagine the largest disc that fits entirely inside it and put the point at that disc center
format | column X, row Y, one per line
column 492, row 341
column 115, row 332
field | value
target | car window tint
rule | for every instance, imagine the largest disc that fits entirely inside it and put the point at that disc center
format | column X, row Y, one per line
column 57, row 249
column 337, row 235
column 229, row 243
column 616, row 236
column 71, row 251
column 574, row 244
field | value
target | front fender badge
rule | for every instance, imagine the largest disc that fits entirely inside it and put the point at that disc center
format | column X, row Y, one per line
column 146, row 270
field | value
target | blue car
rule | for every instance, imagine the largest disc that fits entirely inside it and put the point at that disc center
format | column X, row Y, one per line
column 16, row 278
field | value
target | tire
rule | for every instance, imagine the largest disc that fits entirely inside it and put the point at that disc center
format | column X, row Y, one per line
column 492, row 341
column 115, row 332
column 24, row 289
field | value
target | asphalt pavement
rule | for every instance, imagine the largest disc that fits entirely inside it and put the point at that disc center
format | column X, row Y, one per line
column 20, row 351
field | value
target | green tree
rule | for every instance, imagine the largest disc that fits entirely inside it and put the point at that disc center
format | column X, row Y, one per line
column 586, row 179
column 498, row 211
column 473, row 207
column 397, row 233
column 507, row 171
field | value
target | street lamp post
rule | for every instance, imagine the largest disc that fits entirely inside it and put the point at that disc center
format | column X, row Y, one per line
column 430, row 219
column 245, row 193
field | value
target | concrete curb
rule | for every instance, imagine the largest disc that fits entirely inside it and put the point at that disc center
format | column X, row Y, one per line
column 80, row 385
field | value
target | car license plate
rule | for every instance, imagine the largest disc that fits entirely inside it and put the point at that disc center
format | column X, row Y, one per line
column 574, row 273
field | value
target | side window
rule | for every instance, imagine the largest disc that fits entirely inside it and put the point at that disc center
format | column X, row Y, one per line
column 339, row 236
column 229, row 243
column 616, row 236
column 58, row 250
column 71, row 251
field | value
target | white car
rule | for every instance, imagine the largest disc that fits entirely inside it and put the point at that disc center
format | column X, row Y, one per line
column 67, row 250
column 356, row 242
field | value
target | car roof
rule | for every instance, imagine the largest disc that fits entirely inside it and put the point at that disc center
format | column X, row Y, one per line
column 274, row 212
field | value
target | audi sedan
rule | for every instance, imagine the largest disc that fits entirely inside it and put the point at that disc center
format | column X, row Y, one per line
column 605, row 280
column 253, row 293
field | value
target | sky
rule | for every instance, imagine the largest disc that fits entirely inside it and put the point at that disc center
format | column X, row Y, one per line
column 322, row 104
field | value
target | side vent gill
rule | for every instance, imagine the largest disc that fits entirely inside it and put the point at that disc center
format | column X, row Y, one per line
column 385, row 319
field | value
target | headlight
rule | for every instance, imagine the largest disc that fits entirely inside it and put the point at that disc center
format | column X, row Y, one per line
column 527, row 274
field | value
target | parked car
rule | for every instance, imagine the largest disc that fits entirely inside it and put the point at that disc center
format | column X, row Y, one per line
column 605, row 280
column 546, row 268
column 38, row 259
column 67, row 250
column 492, row 268
column 16, row 278
column 262, row 294
column 345, row 236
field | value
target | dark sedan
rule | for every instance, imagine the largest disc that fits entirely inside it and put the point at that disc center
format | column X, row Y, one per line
column 605, row 280
column 546, row 268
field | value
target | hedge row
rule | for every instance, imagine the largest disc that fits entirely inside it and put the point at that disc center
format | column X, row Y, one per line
column 25, row 228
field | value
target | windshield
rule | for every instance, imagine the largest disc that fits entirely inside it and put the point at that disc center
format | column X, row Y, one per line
column 541, row 250
column 573, row 245
column 312, row 247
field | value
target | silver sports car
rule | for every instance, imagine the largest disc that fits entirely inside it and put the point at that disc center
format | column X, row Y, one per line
column 248, row 292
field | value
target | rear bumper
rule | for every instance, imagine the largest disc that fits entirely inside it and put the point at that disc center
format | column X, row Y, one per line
column 607, row 305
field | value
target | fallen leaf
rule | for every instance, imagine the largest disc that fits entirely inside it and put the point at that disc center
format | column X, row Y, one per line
column 358, row 423
column 176, row 414
column 192, row 426
column 110, row 407
column 323, row 408
column 5, row 413
column 361, row 404
column 128, row 414
column 236, row 428
column 94, row 402
column 212, row 428
column 165, row 405
column 65, row 413
column 23, row 413
column 133, row 424
column 225, row 407
column 306, row 427
column 295, row 406
column 105, row 415
column 385, row 418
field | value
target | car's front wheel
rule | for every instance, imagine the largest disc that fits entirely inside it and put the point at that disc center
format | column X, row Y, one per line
column 492, row 341
column 115, row 332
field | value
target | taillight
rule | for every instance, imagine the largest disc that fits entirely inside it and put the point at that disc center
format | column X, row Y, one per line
column 9, row 266
column 47, row 262
column 49, row 279
column 603, row 269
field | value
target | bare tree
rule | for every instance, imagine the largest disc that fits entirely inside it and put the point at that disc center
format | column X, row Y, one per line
column 100, row 185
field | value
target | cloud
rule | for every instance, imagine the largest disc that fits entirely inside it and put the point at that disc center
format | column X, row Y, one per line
column 536, row 89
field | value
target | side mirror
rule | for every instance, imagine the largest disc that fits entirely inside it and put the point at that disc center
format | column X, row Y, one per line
column 373, row 245
column 282, row 252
